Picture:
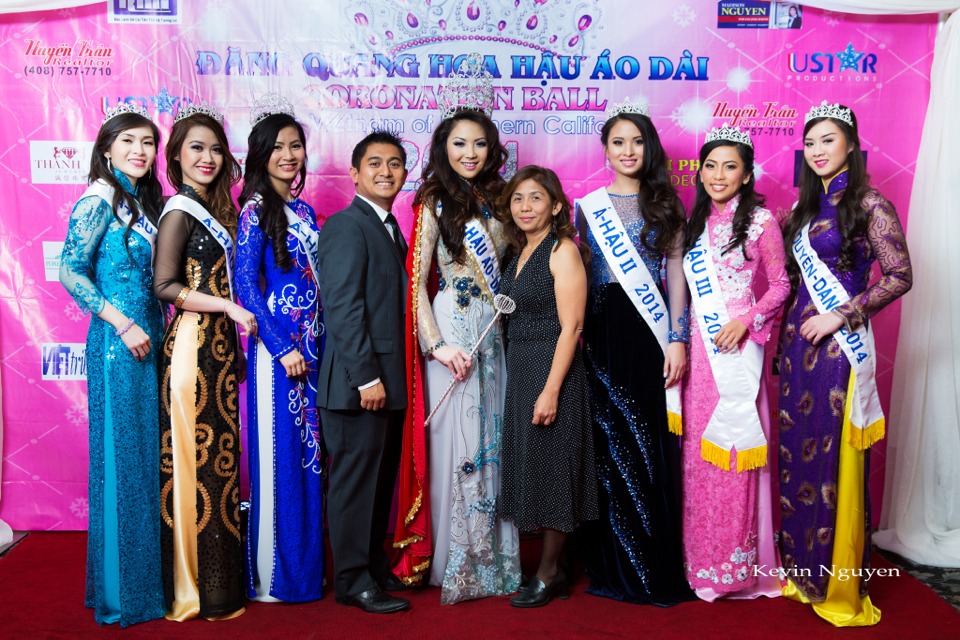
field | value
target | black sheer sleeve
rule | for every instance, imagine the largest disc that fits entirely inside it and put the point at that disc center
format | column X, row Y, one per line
column 168, row 270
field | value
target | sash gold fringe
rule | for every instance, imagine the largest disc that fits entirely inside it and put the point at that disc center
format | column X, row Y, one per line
column 675, row 423
column 715, row 455
column 862, row 439
column 754, row 458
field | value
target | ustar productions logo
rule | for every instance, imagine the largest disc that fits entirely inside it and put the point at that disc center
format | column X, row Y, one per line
column 848, row 65
column 59, row 161
column 144, row 11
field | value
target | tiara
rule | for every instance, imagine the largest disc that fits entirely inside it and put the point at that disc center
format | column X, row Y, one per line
column 471, row 87
column 628, row 106
column 125, row 107
column 834, row 111
column 202, row 108
column 269, row 105
column 731, row 134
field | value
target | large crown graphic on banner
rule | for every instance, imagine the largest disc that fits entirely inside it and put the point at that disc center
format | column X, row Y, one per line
column 829, row 111
column 471, row 87
column 730, row 134
column 564, row 27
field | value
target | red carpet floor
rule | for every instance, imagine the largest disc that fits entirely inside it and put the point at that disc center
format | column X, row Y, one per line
column 42, row 581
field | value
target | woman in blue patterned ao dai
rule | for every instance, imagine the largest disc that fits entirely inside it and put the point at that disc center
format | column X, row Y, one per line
column 106, row 267
column 277, row 242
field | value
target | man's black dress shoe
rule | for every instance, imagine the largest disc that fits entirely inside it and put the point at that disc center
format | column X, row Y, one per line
column 375, row 601
column 390, row 582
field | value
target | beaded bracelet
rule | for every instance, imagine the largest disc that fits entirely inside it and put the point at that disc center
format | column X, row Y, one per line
column 126, row 327
column 435, row 347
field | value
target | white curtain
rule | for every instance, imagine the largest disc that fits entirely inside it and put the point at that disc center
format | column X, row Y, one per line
column 920, row 519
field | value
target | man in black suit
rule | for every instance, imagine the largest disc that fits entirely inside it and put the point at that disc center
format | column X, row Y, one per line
column 362, row 386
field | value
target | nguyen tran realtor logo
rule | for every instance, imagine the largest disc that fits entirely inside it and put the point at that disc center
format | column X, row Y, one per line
column 59, row 161
column 144, row 11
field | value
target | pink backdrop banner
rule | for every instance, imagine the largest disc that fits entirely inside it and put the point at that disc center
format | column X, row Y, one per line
column 349, row 67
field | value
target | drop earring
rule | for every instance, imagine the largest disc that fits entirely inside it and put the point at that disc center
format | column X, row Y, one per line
column 109, row 166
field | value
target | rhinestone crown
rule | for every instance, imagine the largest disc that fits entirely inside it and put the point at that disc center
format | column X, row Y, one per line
column 732, row 134
column 628, row 106
column 268, row 105
column 471, row 87
column 829, row 111
column 125, row 107
column 194, row 109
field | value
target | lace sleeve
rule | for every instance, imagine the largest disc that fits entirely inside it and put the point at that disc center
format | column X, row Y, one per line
column 168, row 266
column 887, row 240
column 427, row 328
column 678, row 296
column 759, row 318
column 251, row 249
column 88, row 223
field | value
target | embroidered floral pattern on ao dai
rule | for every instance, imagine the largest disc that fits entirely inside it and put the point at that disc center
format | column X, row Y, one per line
column 476, row 554
column 727, row 516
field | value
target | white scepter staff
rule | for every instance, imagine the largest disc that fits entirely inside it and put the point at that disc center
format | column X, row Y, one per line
column 504, row 305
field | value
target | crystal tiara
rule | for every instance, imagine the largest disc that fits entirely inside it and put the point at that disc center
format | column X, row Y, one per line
column 269, row 105
column 125, row 107
column 628, row 106
column 202, row 108
column 834, row 111
column 470, row 87
column 731, row 134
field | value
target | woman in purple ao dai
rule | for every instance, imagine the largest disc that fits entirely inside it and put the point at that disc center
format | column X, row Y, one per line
column 829, row 415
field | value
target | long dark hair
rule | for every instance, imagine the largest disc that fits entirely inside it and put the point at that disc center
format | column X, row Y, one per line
column 460, row 199
column 851, row 213
column 219, row 202
column 749, row 200
column 563, row 227
column 260, row 144
column 659, row 204
column 149, row 188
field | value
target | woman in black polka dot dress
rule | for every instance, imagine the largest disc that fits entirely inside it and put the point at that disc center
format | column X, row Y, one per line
column 548, row 480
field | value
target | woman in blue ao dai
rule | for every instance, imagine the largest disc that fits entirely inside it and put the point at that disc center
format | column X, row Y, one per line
column 107, row 267
column 277, row 245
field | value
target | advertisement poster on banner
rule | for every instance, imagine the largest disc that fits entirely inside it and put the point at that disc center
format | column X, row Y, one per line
column 352, row 67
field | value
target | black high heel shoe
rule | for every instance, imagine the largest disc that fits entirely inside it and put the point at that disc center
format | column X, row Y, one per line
column 537, row 594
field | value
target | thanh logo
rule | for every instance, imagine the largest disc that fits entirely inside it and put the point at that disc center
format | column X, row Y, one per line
column 59, row 162
column 64, row 361
column 846, row 65
column 145, row 11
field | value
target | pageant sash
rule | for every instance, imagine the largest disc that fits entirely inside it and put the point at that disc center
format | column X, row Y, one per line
column 307, row 236
column 866, row 414
column 143, row 227
column 482, row 251
column 637, row 282
column 199, row 213
column 735, row 422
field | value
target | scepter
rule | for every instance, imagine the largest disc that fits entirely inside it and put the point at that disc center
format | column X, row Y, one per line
column 505, row 305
